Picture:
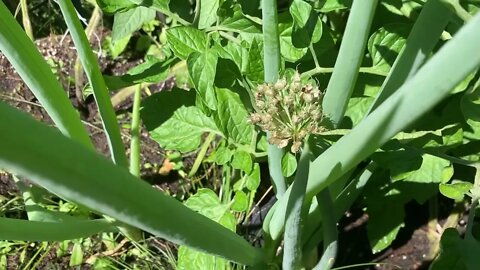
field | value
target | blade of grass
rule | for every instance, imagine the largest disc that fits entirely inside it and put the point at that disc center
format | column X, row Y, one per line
column 100, row 92
column 433, row 82
column 82, row 176
column 350, row 56
column 422, row 39
column 37, row 75
column 25, row 230
column 271, row 62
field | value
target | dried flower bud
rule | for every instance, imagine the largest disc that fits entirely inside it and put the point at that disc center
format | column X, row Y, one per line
column 289, row 112
column 280, row 84
column 269, row 93
column 255, row 118
column 296, row 77
column 287, row 100
column 296, row 146
column 308, row 98
column 260, row 104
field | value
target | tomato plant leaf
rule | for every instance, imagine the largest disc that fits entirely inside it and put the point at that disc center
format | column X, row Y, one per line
column 253, row 179
column 208, row 13
column 202, row 67
column 455, row 190
column 184, row 40
column 240, row 201
column 183, row 130
column 207, row 203
column 231, row 117
column 127, row 22
column 242, row 161
column 289, row 164
column 307, row 27
column 254, row 67
column 112, row 6
column 385, row 45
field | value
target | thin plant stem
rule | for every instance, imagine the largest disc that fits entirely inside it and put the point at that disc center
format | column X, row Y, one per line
column 201, row 154
column 78, row 71
column 324, row 70
column 135, row 133
column 475, row 198
column 458, row 9
column 27, row 26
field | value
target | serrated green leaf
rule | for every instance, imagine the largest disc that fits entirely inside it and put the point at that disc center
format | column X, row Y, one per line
column 253, row 179
column 152, row 70
column 235, row 21
column 307, row 27
column 289, row 164
column 159, row 107
column 240, row 201
column 222, row 155
column 254, row 68
column 300, row 11
column 232, row 51
column 242, row 161
column 127, row 22
column 207, row 203
column 231, row 117
column 208, row 13
column 116, row 48
column 385, row 45
column 332, row 5
column 433, row 170
column 202, row 68
column 456, row 190
column 182, row 132
column 112, row 6
column 184, row 40
column 412, row 166
column 403, row 8
column 287, row 50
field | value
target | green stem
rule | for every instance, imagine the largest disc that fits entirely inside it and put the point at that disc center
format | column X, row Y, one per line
column 455, row 6
column 350, row 56
column 135, row 133
column 330, row 233
column 201, row 154
column 475, row 198
column 422, row 39
column 292, row 254
column 322, row 70
column 271, row 61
